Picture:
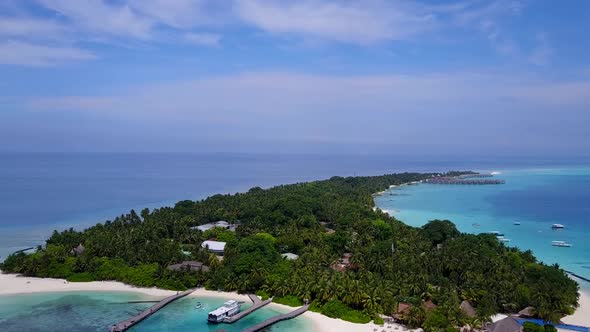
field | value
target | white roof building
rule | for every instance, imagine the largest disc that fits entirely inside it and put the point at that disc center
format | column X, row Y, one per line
column 214, row 246
column 290, row 256
column 220, row 224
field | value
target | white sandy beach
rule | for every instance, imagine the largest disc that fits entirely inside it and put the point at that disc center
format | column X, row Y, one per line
column 14, row 284
column 582, row 315
column 11, row 284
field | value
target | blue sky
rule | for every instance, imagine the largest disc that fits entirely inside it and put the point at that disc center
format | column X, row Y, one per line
column 305, row 76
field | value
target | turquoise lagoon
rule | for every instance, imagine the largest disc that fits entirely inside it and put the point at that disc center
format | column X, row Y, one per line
column 536, row 198
column 96, row 311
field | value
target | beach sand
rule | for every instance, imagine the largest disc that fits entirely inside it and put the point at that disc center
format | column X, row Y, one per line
column 582, row 314
column 11, row 284
column 14, row 284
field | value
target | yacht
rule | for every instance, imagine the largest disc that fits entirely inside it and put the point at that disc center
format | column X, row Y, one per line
column 227, row 310
column 557, row 226
column 560, row 244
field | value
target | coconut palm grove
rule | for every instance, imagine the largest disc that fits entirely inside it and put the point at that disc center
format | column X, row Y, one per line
column 351, row 260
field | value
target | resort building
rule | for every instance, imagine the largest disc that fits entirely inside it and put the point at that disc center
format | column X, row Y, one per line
column 343, row 263
column 219, row 224
column 507, row 324
column 329, row 231
column 468, row 309
column 192, row 266
column 79, row 250
column 290, row 256
column 215, row 247
column 527, row 312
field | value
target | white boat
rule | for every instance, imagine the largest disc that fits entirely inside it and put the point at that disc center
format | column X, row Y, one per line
column 557, row 226
column 560, row 244
column 228, row 309
column 199, row 305
column 496, row 233
column 503, row 239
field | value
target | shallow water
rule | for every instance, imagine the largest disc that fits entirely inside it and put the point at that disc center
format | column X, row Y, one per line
column 537, row 198
column 96, row 311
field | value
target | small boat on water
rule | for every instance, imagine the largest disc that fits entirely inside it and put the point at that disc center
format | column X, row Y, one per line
column 503, row 239
column 199, row 305
column 475, row 224
column 227, row 310
column 557, row 226
column 560, row 244
column 517, row 223
column 496, row 233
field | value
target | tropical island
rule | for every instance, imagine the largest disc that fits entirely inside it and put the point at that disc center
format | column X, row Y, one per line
column 323, row 242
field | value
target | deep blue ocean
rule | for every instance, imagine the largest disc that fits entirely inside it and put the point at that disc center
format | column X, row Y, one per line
column 42, row 192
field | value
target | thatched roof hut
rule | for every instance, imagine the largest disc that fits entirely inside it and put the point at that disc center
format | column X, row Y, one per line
column 429, row 305
column 507, row 324
column 403, row 309
column 192, row 266
column 527, row 312
column 79, row 250
column 468, row 309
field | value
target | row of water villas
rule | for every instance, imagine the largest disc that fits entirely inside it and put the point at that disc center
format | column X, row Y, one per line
column 467, row 179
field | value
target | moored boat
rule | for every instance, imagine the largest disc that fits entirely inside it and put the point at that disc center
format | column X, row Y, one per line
column 496, row 233
column 560, row 244
column 557, row 226
column 227, row 310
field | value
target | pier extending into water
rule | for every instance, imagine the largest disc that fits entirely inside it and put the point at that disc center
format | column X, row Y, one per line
column 476, row 175
column 276, row 319
column 256, row 304
column 128, row 323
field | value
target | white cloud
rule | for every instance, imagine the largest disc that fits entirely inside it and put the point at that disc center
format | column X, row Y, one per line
column 180, row 14
column 26, row 54
column 30, row 27
column 204, row 39
column 97, row 16
column 274, row 93
column 355, row 22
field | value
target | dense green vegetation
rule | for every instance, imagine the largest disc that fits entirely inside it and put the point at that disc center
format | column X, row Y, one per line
column 435, row 263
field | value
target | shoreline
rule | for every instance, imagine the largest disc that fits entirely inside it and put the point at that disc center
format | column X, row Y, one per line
column 14, row 284
column 580, row 317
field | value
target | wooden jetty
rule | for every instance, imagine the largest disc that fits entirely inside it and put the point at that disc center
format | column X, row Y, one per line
column 256, row 304
column 577, row 275
column 128, row 323
column 474, row 176
column 277, row 319
column 456, row 180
